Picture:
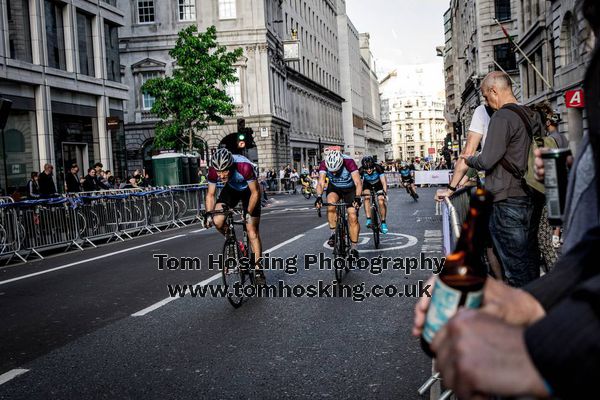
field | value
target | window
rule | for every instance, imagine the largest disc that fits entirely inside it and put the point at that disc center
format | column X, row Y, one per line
column 505, row 57
column 55, row 36
column 503, row 10
column 147, row 100
column 568, row 40
column 85, row 45
column 19, row 34
column 187, row 10
column 145, row 10
column 227, row 9
column 234, row 90
column 111, row 42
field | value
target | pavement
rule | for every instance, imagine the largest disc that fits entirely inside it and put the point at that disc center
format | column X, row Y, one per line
column 100, row 323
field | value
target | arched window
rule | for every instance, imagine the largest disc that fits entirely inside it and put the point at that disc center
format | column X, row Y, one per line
column 568, row 39
column 15, row 141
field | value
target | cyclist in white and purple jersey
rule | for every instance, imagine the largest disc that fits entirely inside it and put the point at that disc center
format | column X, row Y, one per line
column 238, row 174
column 344, row 185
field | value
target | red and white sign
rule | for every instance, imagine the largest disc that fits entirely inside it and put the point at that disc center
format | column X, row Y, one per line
column 574, row 98
column 431, row 150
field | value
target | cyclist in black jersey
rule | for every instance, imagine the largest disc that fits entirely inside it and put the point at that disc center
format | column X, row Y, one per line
column 373, row 177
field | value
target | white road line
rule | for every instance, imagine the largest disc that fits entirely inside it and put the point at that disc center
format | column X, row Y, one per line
column 13, row 373
column 416, row 212
column 204, row 282
column 88, row 260
column 280, row 245
column 322, row 226
column 199, row 230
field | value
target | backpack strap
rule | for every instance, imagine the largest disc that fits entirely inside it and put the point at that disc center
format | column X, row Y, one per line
column 514, row 171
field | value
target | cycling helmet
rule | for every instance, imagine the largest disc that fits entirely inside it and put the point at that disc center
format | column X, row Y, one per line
column 222, row 159
column 368, row 162
column 334, row 161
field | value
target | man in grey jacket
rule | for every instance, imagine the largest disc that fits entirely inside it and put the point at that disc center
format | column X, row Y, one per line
column 510, row 224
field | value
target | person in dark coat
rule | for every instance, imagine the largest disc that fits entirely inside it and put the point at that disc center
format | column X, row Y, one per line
column 90, row 184
column 47, row 187
column 72, row 183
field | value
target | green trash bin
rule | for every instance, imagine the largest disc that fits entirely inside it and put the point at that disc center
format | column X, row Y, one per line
column 169, row 169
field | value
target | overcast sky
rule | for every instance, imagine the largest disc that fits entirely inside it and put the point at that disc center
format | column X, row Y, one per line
column 402, row 31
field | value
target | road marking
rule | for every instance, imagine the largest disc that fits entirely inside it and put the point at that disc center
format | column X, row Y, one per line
column 391, row 237
column 322, row 226
column 416, row 212
column 205, row 282
column 199, row 230
column 13, row 373
column 88, row 260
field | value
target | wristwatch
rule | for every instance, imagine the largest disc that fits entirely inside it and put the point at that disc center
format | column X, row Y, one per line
column 453, row 188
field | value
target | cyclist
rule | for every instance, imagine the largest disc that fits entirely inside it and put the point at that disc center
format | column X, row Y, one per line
column 407, row 176
column 345, row 185
column 238, row 175
column 373, row 177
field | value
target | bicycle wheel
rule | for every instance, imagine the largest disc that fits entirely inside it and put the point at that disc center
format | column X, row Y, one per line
column 348, row 247
column 306, row 193
column 375, row 225
column 231, row 272
column 339, row 251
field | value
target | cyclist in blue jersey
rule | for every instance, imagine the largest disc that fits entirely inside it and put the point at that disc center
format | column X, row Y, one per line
column 344, row 185
column 238, row 174
column 407, row 175
column 373, row 177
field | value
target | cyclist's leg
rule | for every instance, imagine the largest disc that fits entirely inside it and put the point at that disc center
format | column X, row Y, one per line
column 367, row 199
column 253, row 227
column 353, row 224
column 228, row 197
column 381, row 201
column 332, row 197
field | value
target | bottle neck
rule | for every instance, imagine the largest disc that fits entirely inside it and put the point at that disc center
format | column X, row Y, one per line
column 473, row 232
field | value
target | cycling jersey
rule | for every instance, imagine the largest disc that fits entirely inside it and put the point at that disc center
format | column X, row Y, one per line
column 343, row 178
column 241, row 173
column 405, row 174
column 374, row 176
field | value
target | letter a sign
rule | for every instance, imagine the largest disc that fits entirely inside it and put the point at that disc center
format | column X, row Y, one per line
column 574, row 98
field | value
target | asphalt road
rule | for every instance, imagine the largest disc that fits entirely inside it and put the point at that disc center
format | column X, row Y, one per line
column 100, row 323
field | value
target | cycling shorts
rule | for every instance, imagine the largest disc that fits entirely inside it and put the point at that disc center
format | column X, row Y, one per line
column 231, row 197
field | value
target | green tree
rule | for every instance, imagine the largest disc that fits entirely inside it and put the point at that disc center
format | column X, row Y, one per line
column 194, row 96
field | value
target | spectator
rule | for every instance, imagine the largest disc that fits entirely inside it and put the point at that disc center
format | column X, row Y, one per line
column 551, row 119
column 90, row 183
column 47, row 187
column 130, row 183
column 33, row 188
column 98, row 176
column 72, row 184
column 282, row 184
column 511, row 229
column 294, row 176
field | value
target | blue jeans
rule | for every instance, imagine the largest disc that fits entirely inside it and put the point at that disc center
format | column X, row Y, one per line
column 515, row 239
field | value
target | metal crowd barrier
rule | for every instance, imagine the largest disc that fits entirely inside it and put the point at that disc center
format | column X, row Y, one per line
column 73, row 220
column 454, row 212
column 393, row 179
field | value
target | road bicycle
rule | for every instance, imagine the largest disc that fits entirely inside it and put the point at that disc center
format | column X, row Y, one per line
column 341, row 248
column 375, row 216
column 411, row 191
column 308, row 191
column 236, row 256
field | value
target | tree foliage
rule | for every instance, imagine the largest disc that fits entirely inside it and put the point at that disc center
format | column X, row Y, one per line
column 194, row 96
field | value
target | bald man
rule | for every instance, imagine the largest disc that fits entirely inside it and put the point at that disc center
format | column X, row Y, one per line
column 511, row 229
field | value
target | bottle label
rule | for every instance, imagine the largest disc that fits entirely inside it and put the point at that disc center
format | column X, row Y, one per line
column 444, row 304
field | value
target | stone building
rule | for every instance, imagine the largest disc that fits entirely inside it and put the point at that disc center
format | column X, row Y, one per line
column 59, row 65
column 413, row 105
column 559, row 42
column 363, row 134
column 293, row 107
column 475, row 46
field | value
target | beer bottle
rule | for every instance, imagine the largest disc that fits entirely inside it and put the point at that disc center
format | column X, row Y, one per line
column 460, row 284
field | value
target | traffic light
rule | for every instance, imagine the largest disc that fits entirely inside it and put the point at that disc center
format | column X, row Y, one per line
column 239, row 141
column 448, row 141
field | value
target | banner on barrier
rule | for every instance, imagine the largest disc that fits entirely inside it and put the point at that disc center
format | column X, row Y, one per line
column 441, row 177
